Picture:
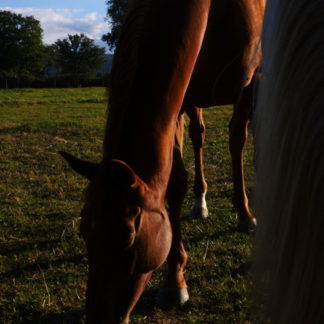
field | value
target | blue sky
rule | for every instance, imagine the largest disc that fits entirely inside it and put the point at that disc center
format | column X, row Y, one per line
column 88, row 5
column 62, row 17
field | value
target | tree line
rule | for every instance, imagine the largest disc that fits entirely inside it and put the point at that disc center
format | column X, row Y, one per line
column 25, row 61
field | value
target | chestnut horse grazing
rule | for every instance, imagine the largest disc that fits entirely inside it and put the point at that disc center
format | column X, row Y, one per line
column 162, row 50
column 289, row 261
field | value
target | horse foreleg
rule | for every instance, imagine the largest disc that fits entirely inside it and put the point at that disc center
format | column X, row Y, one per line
column 238, row 136
column 197, row 132
column 174, row 291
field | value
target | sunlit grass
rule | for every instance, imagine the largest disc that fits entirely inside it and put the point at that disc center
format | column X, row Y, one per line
column 42, row 258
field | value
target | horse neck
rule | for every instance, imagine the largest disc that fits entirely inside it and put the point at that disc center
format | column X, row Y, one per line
column 152, row 68
column 144, row 140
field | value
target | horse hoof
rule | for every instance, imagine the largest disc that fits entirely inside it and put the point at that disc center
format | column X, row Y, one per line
column 168, row 297
column 199, row 212
column 247, row 225
column 124, row 321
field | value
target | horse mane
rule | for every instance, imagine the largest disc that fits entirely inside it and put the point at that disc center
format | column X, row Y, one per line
column 289, row 194
column 123, row 73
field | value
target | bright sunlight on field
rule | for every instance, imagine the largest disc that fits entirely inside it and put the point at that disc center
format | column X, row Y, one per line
column 43, row 266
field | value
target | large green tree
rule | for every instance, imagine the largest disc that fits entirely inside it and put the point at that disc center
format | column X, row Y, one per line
column 78, row 57
column 115, row 16
column 21, row 48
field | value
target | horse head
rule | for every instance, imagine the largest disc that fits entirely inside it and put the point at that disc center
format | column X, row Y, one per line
column 127, row 235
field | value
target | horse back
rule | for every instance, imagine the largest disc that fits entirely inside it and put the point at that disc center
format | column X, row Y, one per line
column 230, row 52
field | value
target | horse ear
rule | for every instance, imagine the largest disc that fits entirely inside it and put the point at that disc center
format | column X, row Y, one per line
column 122, row 173
column 85, row 168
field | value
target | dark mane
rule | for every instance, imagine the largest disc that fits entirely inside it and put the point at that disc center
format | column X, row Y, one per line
column 123, row 73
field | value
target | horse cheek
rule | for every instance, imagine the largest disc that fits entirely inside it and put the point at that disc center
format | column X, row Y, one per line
column 153, row 242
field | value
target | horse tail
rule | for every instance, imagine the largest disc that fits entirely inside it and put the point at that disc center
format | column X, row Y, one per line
column 289, row 139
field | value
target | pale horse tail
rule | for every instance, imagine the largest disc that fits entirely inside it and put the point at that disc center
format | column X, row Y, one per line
column 289, row 137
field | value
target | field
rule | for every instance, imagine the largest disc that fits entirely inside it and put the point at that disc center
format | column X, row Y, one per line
column 43, row 265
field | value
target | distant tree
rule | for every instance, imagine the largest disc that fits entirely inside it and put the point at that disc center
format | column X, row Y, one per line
column 52, row 64
column 79, row 57
column 51, row 56
column 115, row 16
column 21, row 48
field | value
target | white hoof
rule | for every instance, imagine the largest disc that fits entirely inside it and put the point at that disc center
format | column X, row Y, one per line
column 199, row 212
column 168, row 298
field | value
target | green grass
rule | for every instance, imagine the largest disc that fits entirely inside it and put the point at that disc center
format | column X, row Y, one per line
column 42, row 258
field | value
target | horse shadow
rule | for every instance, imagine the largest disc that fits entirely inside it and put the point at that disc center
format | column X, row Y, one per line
column 15, row 130
column 44, row 265
column 72, row 316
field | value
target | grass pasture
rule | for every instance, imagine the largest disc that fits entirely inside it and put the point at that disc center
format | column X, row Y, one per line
column 42, row 258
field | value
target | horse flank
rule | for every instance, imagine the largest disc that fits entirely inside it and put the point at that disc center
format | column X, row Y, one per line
column 289, row 127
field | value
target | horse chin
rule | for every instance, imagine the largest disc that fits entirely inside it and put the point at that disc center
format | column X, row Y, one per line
column 113, row 292
column 113, row 300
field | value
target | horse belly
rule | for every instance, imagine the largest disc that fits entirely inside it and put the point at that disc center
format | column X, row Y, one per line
column 218, row 86
column 229, row 55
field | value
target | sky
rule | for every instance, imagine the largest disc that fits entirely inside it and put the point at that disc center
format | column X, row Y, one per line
column 59, row 18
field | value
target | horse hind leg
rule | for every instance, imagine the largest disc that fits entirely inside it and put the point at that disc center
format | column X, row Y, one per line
column 174, row 291
column 197, row 132
column 238, row 136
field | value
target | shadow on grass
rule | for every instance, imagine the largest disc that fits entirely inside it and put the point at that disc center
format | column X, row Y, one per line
column 146, row 303
column 47, row 126
column 15, row 130
column 223, row 234
column 44, row 265
column 196, row 239
column 72, row 316
column 144, row 308
column 23, row 246
column 95, row 101
column 244, row 270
